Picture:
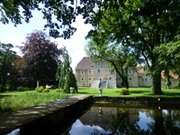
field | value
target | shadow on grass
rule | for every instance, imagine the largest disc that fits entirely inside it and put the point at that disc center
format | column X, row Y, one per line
column 4, row 108
column 171, row 93
column 139, row 91
column 3, row 96
column 84, row 92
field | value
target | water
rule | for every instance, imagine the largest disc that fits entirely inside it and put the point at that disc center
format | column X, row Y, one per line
column 124, row 121
column 127, row 121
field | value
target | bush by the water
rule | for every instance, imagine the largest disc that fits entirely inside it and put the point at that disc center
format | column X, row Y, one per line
column 124, row 92
column 42, row 89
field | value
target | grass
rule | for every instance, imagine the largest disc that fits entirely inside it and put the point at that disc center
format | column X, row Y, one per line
column 132, row 92
column 13, row 101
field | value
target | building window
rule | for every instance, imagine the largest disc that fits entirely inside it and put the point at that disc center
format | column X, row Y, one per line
column 98, row 70
column 82, row 79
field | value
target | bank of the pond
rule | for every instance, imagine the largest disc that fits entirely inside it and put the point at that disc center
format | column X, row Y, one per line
column 139, row 91
column 139, row 101
column 46, row 119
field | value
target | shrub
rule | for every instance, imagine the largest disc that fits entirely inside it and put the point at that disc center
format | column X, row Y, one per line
column 40, row 89
column 45, row 90
column 124, row 92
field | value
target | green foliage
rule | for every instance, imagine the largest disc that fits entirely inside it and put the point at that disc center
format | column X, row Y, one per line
column 46, row 90
column 40, row 89
column 169, row 55
column 7, row 69
column 119, row 56
column 65, row 76
column 141, row 25
column 58, row 14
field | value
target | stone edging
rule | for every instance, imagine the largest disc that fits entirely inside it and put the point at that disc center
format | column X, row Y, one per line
column 43, row 116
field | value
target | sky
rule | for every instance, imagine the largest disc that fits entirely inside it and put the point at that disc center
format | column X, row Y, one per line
column 75, row 45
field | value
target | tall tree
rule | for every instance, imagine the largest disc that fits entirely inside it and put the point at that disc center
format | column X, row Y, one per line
column 59, row 14
column 41, row 56
column 120, row 57
column 7, row 58
column 65, row 76
column 170, row 58
column 144, row 25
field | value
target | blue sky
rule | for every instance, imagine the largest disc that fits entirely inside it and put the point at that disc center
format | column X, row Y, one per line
column 75, row 45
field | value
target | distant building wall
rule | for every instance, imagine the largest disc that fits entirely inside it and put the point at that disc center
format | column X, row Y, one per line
column 88, row 74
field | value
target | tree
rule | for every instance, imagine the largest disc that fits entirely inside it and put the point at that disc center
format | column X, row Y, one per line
column 120, row 57
column 170, row 58
column 7, row 58
column 58, row 14
column 65, row 76
column 143, row 25
column 41, row 56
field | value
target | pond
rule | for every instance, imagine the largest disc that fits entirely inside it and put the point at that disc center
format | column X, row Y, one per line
column 124, row 121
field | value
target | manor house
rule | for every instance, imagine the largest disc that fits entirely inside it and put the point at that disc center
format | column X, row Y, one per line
column 88, row 74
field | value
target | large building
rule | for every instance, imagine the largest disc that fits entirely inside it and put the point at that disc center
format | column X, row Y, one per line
column 88, row 74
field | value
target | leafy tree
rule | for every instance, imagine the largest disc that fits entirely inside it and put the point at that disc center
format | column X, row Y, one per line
column 65, row 76
column 121, row 58
column 7, row 58
column 59, row 14
column 143, row 25
column 170, row 57
column 23, row 76
column 41, row 56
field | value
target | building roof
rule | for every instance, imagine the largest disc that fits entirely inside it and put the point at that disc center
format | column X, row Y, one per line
column 85, row 63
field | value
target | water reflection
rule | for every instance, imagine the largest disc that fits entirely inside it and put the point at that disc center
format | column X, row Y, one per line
column 78, row 128
column 123, row 121
column 127, row 121
column 14, row 132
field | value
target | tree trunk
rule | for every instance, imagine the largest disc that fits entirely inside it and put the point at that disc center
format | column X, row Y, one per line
column 125, row 82
column 156, row 78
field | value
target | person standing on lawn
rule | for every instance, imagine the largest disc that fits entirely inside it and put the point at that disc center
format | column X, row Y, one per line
column 100, row 87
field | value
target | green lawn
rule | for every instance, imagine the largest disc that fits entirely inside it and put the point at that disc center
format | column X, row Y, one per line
column 12, row 101
column 132, row 92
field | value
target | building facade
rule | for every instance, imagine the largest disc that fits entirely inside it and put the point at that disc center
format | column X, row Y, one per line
column 88, row 74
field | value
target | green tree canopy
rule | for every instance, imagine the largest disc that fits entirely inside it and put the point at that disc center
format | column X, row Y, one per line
column 59, row 14
column 120, row 57
column 65, row 76
column 143, row 25
column 7, row 58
